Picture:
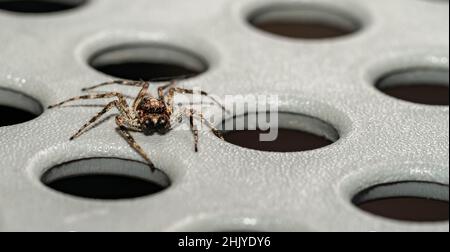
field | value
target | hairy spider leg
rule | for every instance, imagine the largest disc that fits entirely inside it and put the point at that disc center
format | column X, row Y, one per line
column 91, row 97
column 192, row 114
column 163, row 88
column 143, row 93
column 201, row 117
column 117, row 82
column 117, row 104
column 194, row 129
column 123, row 130
column 174, row 90
column 120, row 104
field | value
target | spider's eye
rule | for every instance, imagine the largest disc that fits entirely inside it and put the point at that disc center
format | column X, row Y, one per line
column 162, row 124
column 149, row 124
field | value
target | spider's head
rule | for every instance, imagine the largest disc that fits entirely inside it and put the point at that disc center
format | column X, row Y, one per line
column 156, row 123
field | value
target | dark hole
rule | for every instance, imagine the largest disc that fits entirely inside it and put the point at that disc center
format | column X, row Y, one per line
column 149, row 62
column 288, row 140
column 106, row 178
column 406, row 201
column 408, row 209
column 304, row 21
column 11, row 116
column 423, row 94
column 420, row 85
column 41, row 6
column 305, row 30
column 147, row 71
column 109, row 187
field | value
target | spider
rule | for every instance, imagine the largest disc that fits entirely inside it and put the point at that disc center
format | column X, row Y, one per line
column 148, row 114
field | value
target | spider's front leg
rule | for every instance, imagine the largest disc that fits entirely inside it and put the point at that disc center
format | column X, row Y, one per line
column 202, row 118
column 174, row 90
column 163, row 88
column 178, row 118
column 124, row 125
column 194, row 129
column 192, row 114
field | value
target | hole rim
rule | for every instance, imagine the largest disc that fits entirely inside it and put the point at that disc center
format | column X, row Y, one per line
column 358, row 179
column 32, row 105
column 358, row 21
column 403, row 73
column 365, row 197
column 190, row 58
column 333, row 134
column 59, row 170
column 371, row 69
column 67, row 6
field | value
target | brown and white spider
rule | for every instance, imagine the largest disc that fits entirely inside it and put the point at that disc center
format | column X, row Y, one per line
column 147, row 114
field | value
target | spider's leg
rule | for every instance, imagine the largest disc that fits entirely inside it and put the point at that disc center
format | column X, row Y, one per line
column 192, row 114
column 162, row 88
column 130, row 124
column 123, row 95
column 117, row 82
column 201, row 117
column 90, row 97
column 193, row 128
column 169, row 101
column 126, row 134
column 96, row 117
column 142, row 94
column 174, row 90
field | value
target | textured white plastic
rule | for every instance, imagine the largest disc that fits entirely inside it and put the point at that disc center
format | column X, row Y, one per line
column 225, row 187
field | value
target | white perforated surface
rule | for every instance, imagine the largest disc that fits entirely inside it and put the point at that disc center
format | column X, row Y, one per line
column 225, row 187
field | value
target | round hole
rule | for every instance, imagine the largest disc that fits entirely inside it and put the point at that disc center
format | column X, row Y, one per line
column 106, row 179
column 423, row 86
column 304, row 21
column 295, row 132
column 406, row 201
column 148, row 62
column 39, row 6
column 16, row 108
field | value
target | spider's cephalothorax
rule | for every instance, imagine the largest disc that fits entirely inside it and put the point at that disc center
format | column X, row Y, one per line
column 154, row 117
column 147, row 114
